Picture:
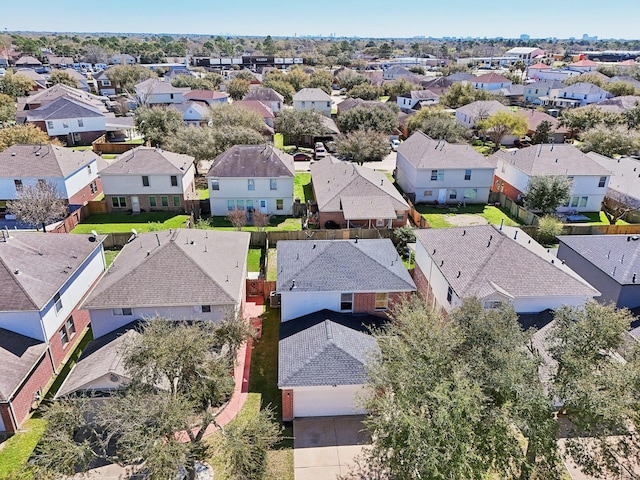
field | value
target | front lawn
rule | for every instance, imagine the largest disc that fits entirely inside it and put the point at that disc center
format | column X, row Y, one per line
column 437, row 217
column 253, row 259
column 302, row 188
column 124, row 222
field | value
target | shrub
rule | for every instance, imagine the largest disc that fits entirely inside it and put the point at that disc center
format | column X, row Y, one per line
column 549, row 227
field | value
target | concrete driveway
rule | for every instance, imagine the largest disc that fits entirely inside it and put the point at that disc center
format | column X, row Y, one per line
column 325, row 447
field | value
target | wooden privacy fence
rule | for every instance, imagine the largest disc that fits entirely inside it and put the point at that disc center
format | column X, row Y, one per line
column 100, row 145
column 259, row 287
column 338, row 234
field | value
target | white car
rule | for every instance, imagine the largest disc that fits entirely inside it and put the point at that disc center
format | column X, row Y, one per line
column 395, row 144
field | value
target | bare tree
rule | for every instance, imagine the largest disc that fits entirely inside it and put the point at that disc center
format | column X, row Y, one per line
column 238, row 218
column 616, row 205
column 38, row 204
column 260, row 220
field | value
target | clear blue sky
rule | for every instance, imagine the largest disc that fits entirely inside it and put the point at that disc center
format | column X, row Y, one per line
column 361, row 18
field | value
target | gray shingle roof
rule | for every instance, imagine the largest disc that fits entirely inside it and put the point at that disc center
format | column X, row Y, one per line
column 341, row 265
column 583, row 88
column 33, row 266
column 482, row 109
column 311, row 95
column 618, row 256
column 550, row 159
column 339, row 186
column 60, row 90
column 154, row 86
column 625, row 179
column 148, row 160
column 41, row 161
column 248, row 161
column 18, row 355
column 175, row 268
column 64, row 108
column 325, row 348
column 481, row 259
column 264, row 95
column 423, row 152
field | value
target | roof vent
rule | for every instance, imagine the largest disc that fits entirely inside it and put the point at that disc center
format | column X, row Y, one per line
column 293, row 284
column 37, row 154
column 441, row 262
column 16, row 271
column 13, row 154
column 633, row 279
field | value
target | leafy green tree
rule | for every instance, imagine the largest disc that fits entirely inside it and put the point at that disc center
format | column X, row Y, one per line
column 417, row 69
column 348, row 79
column 584, row 118
column 378, row 118
column 63, row 77
column 588, row 77
column 543, row 133
column 365, row 91
column 157, row 123
column 437, row 123
column 223, row 115
column 610, row 141
column 632, row 116
column 269, row 46
column 23, row 134
column 195, row 83
column 545, row 193
column 618, row 89
column 127, row 76
column 296, row 123
column 237, row 88
column 549, row 227
column 459, row 95
column 15, row 85
column 7, row 109
column 363, row 146
column 385, row 50
column 283, row 88
column 321, row 79
column 501, row 124
column 400, row 87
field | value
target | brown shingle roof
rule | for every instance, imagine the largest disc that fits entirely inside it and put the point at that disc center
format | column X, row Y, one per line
column 41, row 161
column 18, row 355
column 244, row 161
column 148, row 160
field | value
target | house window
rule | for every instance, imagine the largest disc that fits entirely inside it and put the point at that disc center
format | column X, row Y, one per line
column 145, row 180
column 249, row 205
column 492, row 304
column 251, row 184
column 273, row 184
column 71, row 327
column 602, row 182
column 240, row 204
column 119, row 202
column 58, row 302
column 215, row 184
column 206, row 308
column 346, row 302
column 470, row 193
column 428, row 193
column 176, row 201
column 106, row 83
column 80, row 122
column 449, row 294
column 382, row 301
column 127, row 312
column 583, row 202
column 65, row 125
column 174, row 180
column 399, row 215
column 279, row 204
column 434, row 175
column 467, row 174
column 231, row 205
column 64, row 338
column 93, row 187
column 49, row 124
column 453, row 194
column 304, row 104
column 164, row 201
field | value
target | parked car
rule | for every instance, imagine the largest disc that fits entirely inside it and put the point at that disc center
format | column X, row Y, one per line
column 301, row 157
column 395, row 144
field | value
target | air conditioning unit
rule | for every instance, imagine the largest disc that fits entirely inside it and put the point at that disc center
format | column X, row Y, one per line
column 274, row 299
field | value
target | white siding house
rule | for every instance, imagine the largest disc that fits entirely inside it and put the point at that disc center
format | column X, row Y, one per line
column 313, row 99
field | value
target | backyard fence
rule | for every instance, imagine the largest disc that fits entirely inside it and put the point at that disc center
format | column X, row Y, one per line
column 515, row 211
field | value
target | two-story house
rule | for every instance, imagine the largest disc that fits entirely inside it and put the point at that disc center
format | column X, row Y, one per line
column 589, row 179
column 251, row 177
column 44, row 278
column 154, row 91
column 149, row 179
column 469, row 115
column 408, row 101
column 580, row 94
column 436, row 171
column 583, row 66
column 268, row 96
column 313, row 99
column 103, row 84
column 206, row 97
column 73, row 173
column 490, row 81
column 542, row 92
column 177, row 274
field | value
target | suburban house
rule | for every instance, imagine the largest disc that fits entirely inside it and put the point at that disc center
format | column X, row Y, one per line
column 583, row 66
column 59, row 62
column 193, row 113
column 268, row 96
column 351, row 195
column 103, row 84
column 397, row 72
column 44, row 279
column 260, row 108
column 206, row 97
column 622, row 190
column 490, row 81
column 251, row 177
column 469, row 115
column 322, row 360
column 497, row 265
column 535, row 69
column 610, row 262
column 150, row 180
column 122, row 59
column 590, row 179
column 154, row 91
column 74, row 173
column 535, row 118
column 526, row 54
column 580, row 94
column 345, row 276
column 618, row 104
column 436, row 171
column 313, row 99
column 27, row 61
column 409, row 101
column 39, row 81
column 176, row 274
column 543, row 92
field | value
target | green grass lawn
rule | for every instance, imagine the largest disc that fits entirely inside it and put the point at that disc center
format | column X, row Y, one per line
column 109, row 156
column 278, row 141
column 79, row 149
column 437, row 217
column 302, row 188
column 110, row 256
column 276, row 222
column 253, row 259
column 272, row 265
column 18, row 449
column 203, row 194
column 599, row 218
column 124, row 222
column 384, row 98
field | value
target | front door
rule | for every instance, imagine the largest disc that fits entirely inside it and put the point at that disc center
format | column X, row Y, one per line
column 135, row 204
column 442, row 195
column 263, row 206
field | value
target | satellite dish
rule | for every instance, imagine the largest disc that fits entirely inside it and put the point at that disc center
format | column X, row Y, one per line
column 94, row 233
column 134, row 231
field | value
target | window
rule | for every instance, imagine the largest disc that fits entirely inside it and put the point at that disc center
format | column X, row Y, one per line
column 58, row 302
column 171, row 96
column 304, row 104
column 249, row 205
column 492, row 304
column 18, row 184
column 583, row 201
column 119, row 202
column 145, row 180
column 106, row 83
column 434, row 175
column 251, row 184
column 152, row 202
column 470, row 193
column 399, row 215
column 449, row 294
column 574, row 201
column 71, row 327
column 206, row 308
column 65, row 125
column 174, row 180
column 49, row 124
column 346, row 302
column 467, row 174
column 279, row 204
column 273, row 184
column 602, row 182
column 93, row 187
column 231, row 205
column 122, row 311
column 382, row 301
column 240, row 204
column 176, row 201
column 428, row 193
column 64, row 338
column 215, row 184
column 164, row 201
column 80, row 122
column 453, row 194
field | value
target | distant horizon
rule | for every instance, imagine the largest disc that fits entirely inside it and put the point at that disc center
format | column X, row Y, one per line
column 562, row 19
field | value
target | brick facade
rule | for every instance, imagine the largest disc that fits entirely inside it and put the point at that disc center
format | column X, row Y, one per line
column 59, row 352
column 85, row 195
column 499, row 185
column 145, row 204
column 425, row 290
column 366, row 303
column 287, row 405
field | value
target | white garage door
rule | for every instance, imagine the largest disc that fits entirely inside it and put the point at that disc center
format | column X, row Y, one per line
column 325, row 401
